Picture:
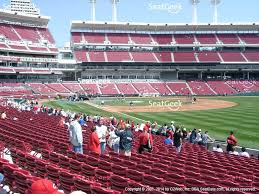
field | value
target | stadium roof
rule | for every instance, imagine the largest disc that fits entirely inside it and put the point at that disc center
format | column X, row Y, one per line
column 13, row 17
column 160, row 27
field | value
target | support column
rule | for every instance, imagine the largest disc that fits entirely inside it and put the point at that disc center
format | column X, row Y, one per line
column 200, row 75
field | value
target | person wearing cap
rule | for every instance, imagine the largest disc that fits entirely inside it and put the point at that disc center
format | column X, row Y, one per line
column 102, row 133
column 76, row 135
column 145, row 141
column 126, row 140
column 44, row 186
column 94, row 143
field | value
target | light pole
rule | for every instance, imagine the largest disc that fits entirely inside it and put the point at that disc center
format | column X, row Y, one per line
column 93, row 2
column 215, row 4
column 114, row 10
column 194, row 11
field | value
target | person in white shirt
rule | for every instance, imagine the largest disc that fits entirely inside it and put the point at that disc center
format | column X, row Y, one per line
column 198, row 139
column 233, row 152
column 76, row 135
column 244, row 153
column 172, row 126
column 3, row 115
column 217, row 149
column 102, row 133
column 114, row 140
column 137, row 128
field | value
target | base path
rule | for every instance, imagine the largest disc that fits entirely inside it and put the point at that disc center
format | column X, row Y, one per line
column 201, row 104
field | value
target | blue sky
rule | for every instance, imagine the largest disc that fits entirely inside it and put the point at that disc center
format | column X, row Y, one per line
column 62, row 12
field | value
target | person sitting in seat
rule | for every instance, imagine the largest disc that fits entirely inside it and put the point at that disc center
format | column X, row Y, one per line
column 244, row 153
column 168, row 140
column 217, row 149
column 43, row 186
column 233, row 151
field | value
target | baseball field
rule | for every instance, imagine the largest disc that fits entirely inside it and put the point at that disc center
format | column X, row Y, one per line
column 218, row 115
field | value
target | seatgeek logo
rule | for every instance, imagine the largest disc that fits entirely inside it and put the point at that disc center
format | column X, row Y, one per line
column 172, row 8
column 247, row 84
column 171, row 105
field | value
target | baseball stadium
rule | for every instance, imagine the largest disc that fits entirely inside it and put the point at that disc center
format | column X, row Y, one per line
column 195, row 85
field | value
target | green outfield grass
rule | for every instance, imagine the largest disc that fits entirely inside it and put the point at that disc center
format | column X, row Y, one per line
column 243, row 118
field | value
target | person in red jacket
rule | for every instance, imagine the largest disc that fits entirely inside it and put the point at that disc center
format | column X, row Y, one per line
column 94, row 143
column 145, row 141
column 231, row 141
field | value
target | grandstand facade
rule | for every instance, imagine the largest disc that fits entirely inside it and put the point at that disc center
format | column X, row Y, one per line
column 27, row 48
column 166, row 51
column 128, row 58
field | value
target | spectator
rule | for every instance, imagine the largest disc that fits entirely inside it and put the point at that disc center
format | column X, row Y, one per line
column 170, row 133
column 217, row 149
column 231, row 141
column 102, row 133
column 188, row 135
column 164, row 130
column 114, row 140
column 168, row 140
column 185, row 134
column 82, row 121
column 244, row 153
column 2, row 191
column 154, row 128
column 198, row 139
column 145, row 141
column 178, row 140
column 148, row 124
column 233, row 151
column 75, row 135
column 43, row 186
column 62, row 122
column 94, row 143
column 205, row 139
column 3, row 115
column 137, row 128
column 126, row 139
column 193, row 136
column 172, row 126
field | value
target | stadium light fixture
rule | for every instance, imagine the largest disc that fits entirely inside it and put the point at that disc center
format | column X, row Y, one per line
column 215, row 4
column 93, row 2
column 194, row 11
column 114, row 10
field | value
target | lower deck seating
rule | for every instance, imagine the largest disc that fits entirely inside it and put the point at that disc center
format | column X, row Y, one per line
column 89, row 172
